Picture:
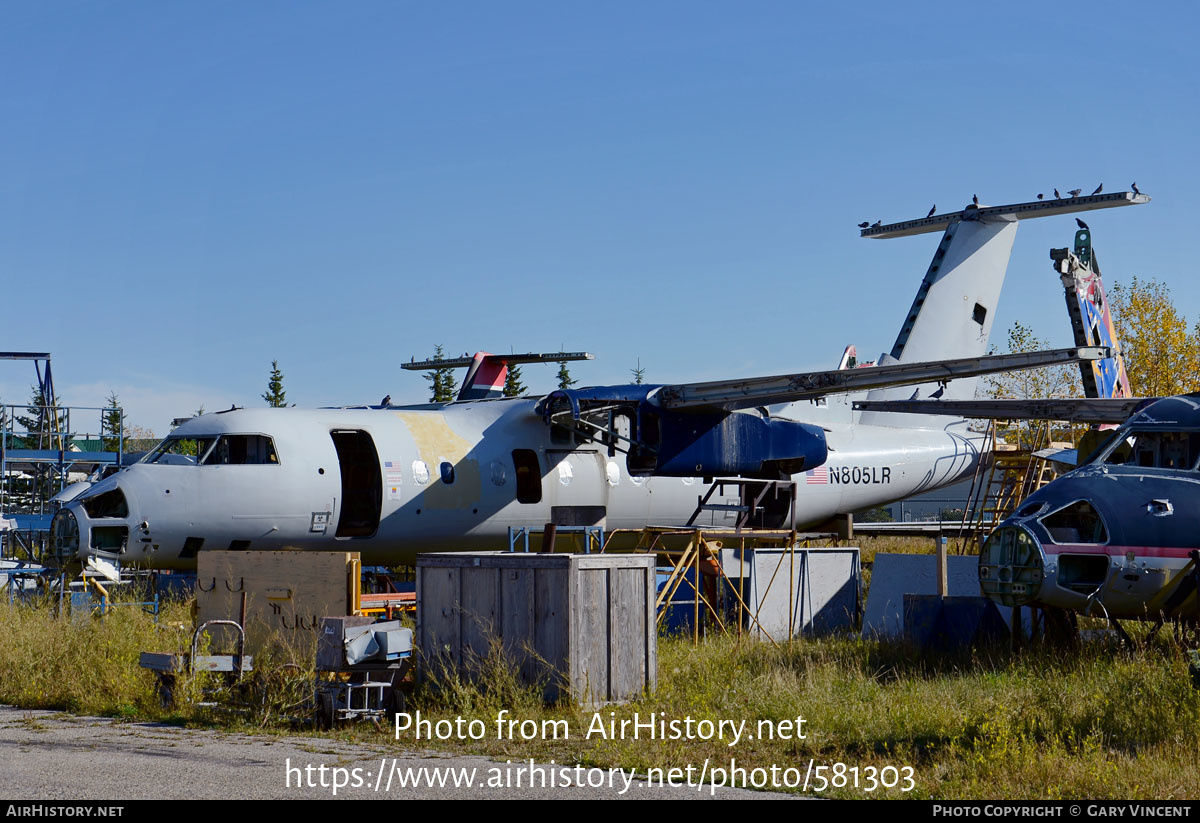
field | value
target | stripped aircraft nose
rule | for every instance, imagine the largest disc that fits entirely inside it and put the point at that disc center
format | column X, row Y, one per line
column 97, row 523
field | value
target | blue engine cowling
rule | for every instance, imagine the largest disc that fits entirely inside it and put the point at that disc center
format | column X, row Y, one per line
column 742, row 443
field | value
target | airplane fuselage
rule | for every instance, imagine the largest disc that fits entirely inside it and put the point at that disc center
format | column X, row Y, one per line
column 1113, row 537
column 393, row 482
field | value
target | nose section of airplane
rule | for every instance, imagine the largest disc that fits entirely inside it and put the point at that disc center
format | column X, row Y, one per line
column 64, row 533
column 97, row 523
column 1012, row 566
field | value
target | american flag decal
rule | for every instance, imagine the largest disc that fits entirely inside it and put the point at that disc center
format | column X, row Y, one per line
column 817, row 476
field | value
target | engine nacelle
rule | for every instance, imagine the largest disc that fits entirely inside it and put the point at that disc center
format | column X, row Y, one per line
column 746, row 444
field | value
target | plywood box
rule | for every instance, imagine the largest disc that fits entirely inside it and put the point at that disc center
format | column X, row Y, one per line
column 287, row 593
column 577, row 624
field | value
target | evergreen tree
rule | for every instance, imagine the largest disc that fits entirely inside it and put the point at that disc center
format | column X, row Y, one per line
column 513, row 387
column 565, row 381
column 639, row 374
column 40, row 422
column 443, row 387
column 275, row 396
column 41, row 427
column 112, row 425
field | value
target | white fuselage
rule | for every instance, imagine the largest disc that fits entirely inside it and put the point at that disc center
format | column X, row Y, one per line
column 447, row 479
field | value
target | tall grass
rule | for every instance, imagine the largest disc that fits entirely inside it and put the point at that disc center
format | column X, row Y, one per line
column 1095, row 720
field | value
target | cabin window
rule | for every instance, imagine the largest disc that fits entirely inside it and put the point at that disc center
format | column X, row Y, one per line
column 447, row 470
column 529, row 476
column 1077, row 523
column 980, row 314
column 181, row 450
column 242, row 449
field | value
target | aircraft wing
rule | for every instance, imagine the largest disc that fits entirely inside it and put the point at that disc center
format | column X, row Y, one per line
column 729, row 395
column 1075, row 410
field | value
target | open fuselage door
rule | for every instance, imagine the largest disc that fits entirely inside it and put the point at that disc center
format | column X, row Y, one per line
column 362, row 484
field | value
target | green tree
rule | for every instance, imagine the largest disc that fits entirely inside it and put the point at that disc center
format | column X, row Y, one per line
column 1160, row 352
column 443, row 387
column 513, row 387
column 1051, row 381
column 565, row 381
column 879, row 514
column 275, row 396
column 639, row 374
column 112, row 424
column 41, row 422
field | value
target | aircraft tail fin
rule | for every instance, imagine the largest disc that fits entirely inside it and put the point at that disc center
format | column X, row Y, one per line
column 1091, row 317
column 955, row 305
column 485, row 377
column 486, row 373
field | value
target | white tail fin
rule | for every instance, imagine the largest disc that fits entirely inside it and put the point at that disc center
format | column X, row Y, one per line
column 955, row 305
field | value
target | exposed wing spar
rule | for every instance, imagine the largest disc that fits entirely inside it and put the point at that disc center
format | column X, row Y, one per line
column 729, row 395
column 1074, row 410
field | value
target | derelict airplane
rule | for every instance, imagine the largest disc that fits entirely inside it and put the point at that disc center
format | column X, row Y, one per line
column 390, row 482
column 1117, row 536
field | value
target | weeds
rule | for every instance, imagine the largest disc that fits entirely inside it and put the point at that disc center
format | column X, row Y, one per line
column 1094, row 720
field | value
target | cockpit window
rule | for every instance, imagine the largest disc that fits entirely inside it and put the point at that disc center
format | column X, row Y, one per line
column 1077, row 523
column 181, row 450
column 1154, row 449
column 242, row 449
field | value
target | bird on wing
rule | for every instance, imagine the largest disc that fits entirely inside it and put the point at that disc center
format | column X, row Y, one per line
column 1075, row 192
column 386, row 401
column 1099, row 189
column 1040, row 195
column 863, row 224
column 877, row 224
column 1082, row 224
column 1135, row 188
column 1057, row 196
column 975, row 199
column 932, row 210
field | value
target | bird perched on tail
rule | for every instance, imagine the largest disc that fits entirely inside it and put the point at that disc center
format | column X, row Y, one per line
column 1135, row 188
column 1082, row 224
column 1099, row 189
column 863, row 224
column 931, row 211
column 975, row 199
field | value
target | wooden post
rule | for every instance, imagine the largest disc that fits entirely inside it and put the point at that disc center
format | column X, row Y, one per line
column 548, row 537
column 943, row 583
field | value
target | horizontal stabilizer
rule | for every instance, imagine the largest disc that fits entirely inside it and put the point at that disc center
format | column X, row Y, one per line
column 1013, row 212
column 786, row 388
column 508, row 359
column 1075, row 410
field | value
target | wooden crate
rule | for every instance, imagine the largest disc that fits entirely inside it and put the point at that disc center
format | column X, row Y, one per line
column 578, row 624
column 287, row 593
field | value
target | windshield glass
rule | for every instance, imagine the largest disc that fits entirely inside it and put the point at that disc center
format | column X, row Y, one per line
column 181, row 450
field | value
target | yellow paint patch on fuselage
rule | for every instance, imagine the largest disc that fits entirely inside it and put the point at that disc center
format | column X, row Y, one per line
column 434, row 438
column 437, row 442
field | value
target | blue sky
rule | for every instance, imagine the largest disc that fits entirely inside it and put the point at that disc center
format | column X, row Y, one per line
column 194, row 190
